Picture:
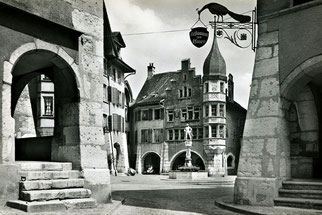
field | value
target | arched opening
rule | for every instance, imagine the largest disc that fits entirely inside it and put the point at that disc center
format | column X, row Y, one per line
column 179, row 160
column 151, row 163
column 44, row 88
column 230, row 161
column 302, row 92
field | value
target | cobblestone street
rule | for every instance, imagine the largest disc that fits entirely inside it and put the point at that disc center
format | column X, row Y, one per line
column 155, row 194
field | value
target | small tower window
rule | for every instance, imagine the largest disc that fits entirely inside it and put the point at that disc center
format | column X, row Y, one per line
column 213, row 131
column 206, row 87
column 214, row 110
column 222, row 87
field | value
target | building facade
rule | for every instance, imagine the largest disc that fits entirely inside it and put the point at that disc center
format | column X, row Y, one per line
column 168, row 101
column 282, row 133
column 78, row 117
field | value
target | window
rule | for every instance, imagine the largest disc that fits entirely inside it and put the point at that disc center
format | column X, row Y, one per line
column 181, row 134
column 183, row 114
column 189, row 92
column 170, row 116
column 222, row 87
column 185, row 77
column 158, row 135
column 145, row 114
column 206, row 131
column 206, row 110
column 221, row 131
column 213, row 130
column 185, row 91
column 176, row 134
column 196, row 112
column 157, row 114
column 170, row 133
column 49, row 105
column 105, row 93
column 200, row 133
column 221, row 110
column 180, row 93
column 194, row 133
column 206, row 87
column 214, row 110
column 190, row 113
column 146, row 135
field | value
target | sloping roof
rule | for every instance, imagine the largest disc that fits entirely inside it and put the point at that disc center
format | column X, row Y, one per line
column 154, row 89
column 235, row 106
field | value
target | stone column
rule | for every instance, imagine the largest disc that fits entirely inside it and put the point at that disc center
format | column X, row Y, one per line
column 7, row 138
column 264, row 157
column 138, row 160
column 93, row 153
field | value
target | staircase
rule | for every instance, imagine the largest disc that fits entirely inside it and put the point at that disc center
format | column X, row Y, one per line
column 300, row 194
column 51, row 186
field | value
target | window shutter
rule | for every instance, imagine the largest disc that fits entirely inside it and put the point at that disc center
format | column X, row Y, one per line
column 109, row 124
column 109, row 94
column 114, row 122
column 162, row 113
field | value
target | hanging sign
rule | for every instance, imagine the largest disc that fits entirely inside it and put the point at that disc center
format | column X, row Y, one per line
column 199, row 36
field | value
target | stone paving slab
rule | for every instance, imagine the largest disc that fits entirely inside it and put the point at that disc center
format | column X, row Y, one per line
column 102, row 209
column 227, row 203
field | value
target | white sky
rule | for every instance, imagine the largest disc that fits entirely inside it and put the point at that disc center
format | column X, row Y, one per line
column 166, row 50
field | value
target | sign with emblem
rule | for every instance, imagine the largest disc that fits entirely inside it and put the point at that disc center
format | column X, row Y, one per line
column 199, row 36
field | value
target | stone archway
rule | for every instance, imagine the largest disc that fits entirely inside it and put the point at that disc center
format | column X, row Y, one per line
column 151, row 159
column 301, row 91
column 179, row 159
column 25, row 63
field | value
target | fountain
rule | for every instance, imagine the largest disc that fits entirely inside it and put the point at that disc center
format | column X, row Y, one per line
column 188, row 171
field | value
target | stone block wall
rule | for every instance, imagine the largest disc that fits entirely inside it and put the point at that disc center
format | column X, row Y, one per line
column 264, row 157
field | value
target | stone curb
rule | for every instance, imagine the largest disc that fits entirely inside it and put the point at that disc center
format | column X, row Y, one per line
column 118, row 201
column 220, row 203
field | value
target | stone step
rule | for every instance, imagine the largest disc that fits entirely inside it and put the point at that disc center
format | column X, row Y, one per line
column 40, row 195
column 51, row 184
column 309, row 194
column 52, row 205
column 44, row 166
column 302, row 185
column 47, row 175
column 298, row 203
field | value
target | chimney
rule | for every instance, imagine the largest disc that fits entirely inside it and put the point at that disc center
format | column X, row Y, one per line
column 151, row 70
column 185, row 65
column 230, row 88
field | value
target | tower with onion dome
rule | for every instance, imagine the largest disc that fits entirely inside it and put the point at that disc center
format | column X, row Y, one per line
column 214, row 110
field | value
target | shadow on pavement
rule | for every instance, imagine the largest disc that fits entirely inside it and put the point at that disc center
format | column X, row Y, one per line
column 190, row 200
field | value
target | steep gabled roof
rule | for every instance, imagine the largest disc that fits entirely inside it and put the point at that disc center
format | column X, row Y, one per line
column 154, row 89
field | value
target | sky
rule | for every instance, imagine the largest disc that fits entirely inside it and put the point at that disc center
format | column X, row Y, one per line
column 166, row 50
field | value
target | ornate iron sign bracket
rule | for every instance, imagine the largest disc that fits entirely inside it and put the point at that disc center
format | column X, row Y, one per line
column 242, row 35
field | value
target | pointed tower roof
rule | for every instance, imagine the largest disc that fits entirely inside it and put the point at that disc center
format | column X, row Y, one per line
column 214, row 65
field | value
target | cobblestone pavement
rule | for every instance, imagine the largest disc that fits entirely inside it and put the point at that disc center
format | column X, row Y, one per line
column 153, row 194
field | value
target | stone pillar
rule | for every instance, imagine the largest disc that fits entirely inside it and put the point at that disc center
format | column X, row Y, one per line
column 7, row 139
column 264, row 158
column 166, row 161
column 138, row 160
column 93, row 152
